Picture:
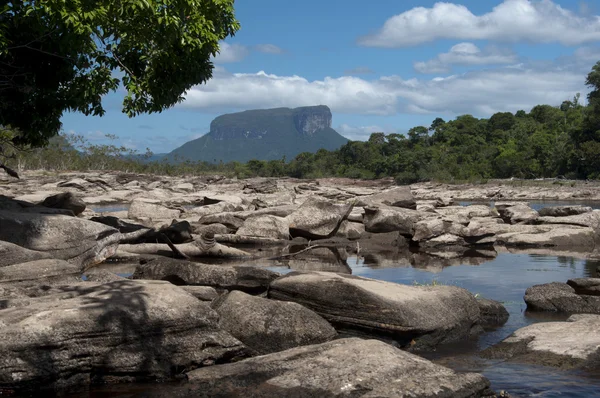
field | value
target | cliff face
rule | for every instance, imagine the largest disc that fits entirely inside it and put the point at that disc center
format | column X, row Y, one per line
column 308, row 120
column 264, row 134
column 256, row 124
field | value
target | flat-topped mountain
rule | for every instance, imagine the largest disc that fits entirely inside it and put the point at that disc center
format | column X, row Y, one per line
column 264, row 134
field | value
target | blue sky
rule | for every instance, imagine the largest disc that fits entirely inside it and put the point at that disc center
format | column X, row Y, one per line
column 385, row 65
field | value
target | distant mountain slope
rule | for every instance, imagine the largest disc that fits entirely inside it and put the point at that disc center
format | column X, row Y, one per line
column 264, row 134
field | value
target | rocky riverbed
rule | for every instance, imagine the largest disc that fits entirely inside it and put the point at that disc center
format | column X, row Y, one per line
column 113, row 277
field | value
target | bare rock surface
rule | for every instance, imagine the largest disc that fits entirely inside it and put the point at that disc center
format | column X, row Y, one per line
column 396, row 197
column 571, row 344
column 318, row 218
column 561, row 297
column 342, row 368
column 268, row 326
column 179, row 272
column 415, row 316
column 266, row 226
column 118, row 331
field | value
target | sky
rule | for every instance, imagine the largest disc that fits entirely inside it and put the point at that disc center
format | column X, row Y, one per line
column 384, row 65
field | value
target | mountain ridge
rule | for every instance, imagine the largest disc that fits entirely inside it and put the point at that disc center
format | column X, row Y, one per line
column 263, row 134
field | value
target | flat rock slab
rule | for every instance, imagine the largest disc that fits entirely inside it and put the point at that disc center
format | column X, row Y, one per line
column 587, row 286
column 419, row 317
column 268, row 326
column 248, row 279
column 38, row 269
column 560, row 297
column 571, row 344
column 117, row 331
column 341, row 368
column 562, row 211
column 14, row 254
column 265, row 226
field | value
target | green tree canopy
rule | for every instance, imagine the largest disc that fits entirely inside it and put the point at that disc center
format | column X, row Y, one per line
column 65, row 55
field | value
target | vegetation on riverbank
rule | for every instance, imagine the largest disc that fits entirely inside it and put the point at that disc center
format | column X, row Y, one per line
column 549, row 141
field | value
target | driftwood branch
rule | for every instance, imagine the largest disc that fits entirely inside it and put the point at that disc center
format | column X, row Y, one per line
column 283, row 256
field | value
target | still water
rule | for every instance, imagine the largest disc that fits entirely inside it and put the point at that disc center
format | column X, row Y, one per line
column 504, row 278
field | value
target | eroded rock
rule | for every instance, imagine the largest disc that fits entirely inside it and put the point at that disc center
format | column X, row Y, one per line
column 340, row 368
column 268, row 326
column 421, row 317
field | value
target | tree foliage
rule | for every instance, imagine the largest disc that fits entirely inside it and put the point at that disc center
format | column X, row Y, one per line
column 65, row 55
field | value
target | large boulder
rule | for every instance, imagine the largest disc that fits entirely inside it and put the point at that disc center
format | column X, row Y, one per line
column 268, row 326
column 76, row 240
column 66, row 200
column 141, row 209
column 118, row 331
column 248, row 279
column 561, row 297
column 265, row 226
column 415, row 316
column 341, row 368
column 390, row 219
column 587, row 286
column 395, row 197
column 571, row 344
column 318, row 218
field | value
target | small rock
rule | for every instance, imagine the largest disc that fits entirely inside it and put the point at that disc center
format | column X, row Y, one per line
column 66, row 200
column 493, row 313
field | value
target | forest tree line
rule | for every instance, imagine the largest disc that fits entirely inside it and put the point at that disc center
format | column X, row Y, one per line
column 546, row 142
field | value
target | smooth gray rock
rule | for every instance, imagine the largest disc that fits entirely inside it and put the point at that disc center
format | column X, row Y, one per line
column 560, row 297
column 563, row 211
column 37, row 269
column 144, row 209
column 414, row 316
column 493, row 313
column 390, row 219
column 14, row 254
column 228, row 219
column 567, row 345
column 248, row 279
column 341, row 368
column 351, row 230
column 587, row 286
column 203, row 293
column 268, row 326
column 66, row 200
column 74, row 239
column 118, row 331
column 318, row 218
column 518, row 214
column 395, row 197
column 265, row 226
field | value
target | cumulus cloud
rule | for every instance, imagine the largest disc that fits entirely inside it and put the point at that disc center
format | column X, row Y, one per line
column 481, row 93
column 230, row 53
column 465, row 54
column 361, row 70
column 268, row 49
column 540, row 21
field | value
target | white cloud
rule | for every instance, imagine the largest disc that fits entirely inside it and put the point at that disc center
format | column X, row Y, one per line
column 362, row 133
column 480, row 93
column 465, row 54
column 230, row 53
column 540, row 21
column 268, row 49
